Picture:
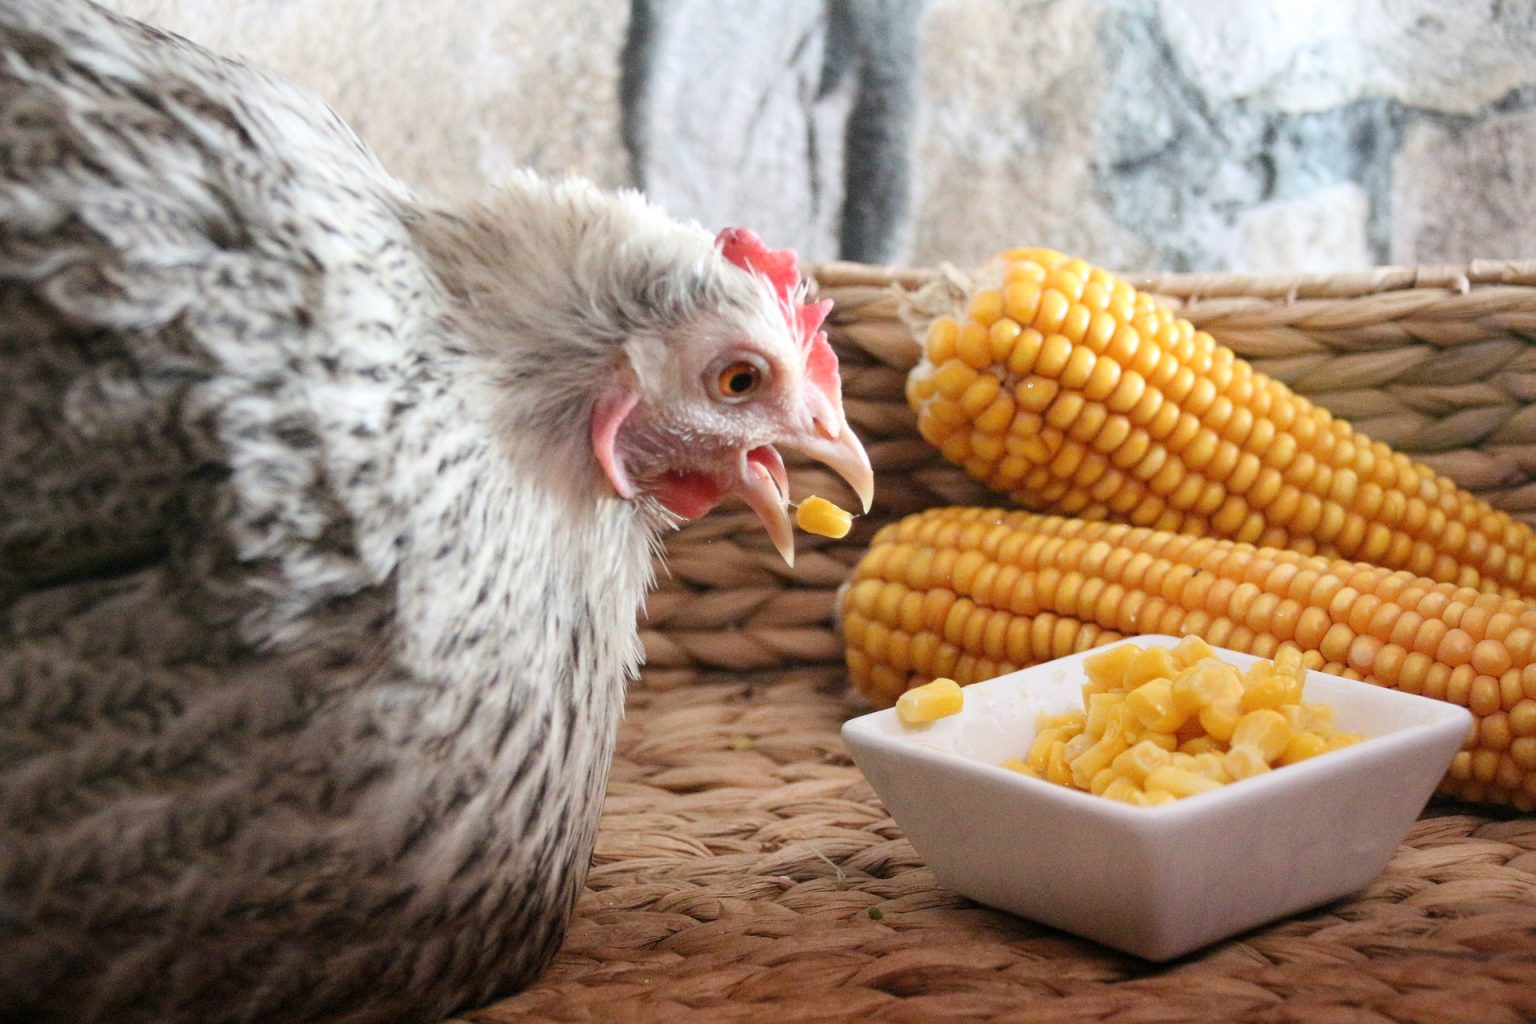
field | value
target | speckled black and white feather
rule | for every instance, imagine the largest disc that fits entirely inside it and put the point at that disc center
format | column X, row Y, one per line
column 314, row 615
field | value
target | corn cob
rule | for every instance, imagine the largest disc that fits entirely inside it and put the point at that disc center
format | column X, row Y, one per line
column 1073, row 393
column 974, row 593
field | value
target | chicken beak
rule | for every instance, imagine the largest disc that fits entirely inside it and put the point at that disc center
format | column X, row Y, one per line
column 835, row 446
column 764, row 486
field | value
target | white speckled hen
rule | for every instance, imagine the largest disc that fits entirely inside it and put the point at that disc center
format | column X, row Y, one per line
column 324, row 520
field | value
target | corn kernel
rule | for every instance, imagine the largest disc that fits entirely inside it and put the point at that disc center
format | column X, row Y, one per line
column 1149, row 664
column 1221, row 718
column 941, row 339
column 1153, row 705
column 1106, row 669
column 930, row 702
column 1097, row 757
column 819, row 516
column 1210, row 765
column 1179, row 782
column 1056, row 769
column 1100, row 707
column 1266, row 730
column 1071, row 721
column 1244, row 762
column 1101, row 780
column 1199, row 686
column 1038, row 758
column 1302, row 746
column 1269, row 690
column 1203, row 744
column 1191, row 651
column 1140, row 761
column 1158, row 799
column 1314, row 718
column 1123, row 790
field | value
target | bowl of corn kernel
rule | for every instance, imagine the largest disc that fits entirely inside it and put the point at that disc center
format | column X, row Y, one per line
column 1157, row 795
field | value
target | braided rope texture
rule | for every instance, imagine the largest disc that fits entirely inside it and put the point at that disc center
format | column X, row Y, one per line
column 1438, row 362
column 746, row 872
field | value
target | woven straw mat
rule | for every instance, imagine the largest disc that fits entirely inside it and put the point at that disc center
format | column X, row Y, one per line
column 746, row 872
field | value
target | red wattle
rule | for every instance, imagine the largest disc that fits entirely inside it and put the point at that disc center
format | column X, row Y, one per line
column 688, row 495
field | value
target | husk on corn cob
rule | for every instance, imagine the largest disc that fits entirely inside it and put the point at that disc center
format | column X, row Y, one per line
column 974, row 593
column 1065, row 388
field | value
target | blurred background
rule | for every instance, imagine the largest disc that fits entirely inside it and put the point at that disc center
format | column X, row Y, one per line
column 1144, row 135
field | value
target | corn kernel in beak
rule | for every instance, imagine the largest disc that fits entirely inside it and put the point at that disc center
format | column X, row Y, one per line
column 819, row 516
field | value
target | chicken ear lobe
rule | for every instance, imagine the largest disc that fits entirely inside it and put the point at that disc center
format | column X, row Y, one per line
column 608, row 416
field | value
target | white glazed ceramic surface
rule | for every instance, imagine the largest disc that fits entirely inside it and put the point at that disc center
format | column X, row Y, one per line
column 1158, row 882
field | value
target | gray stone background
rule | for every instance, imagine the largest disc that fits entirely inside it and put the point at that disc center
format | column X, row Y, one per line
column 1224, row 135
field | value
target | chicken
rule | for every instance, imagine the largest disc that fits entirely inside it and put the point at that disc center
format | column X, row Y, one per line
column 325, row 518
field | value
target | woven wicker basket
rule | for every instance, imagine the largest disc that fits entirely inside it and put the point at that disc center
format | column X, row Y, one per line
column 746, row 872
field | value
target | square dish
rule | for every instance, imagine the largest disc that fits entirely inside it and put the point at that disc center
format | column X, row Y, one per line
column 1157, row 882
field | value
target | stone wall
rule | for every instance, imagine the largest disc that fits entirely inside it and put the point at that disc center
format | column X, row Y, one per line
column 1143, row 134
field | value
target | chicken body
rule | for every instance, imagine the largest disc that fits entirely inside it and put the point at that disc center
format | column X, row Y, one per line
column 316, row 609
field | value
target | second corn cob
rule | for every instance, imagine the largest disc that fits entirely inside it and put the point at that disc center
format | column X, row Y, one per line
column 974, row 593
column 1064, row 387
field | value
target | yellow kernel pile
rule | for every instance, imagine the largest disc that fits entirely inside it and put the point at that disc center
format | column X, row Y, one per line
column 1159, row 724
column 930, row 702
column 819, row 516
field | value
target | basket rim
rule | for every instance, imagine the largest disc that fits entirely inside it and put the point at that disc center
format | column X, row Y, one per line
column 1450, row 277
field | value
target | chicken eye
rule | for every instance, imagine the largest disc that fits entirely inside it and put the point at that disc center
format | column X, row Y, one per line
column 738, row 380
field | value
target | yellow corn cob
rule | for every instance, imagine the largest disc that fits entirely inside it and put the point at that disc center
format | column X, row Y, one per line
column 1065, row 388
column 973, row 593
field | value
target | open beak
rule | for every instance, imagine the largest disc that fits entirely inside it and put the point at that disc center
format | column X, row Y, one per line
column 839, row 450
column 764, row 486
column 763, row 483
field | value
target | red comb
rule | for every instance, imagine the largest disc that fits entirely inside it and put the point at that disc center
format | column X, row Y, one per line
column 743, row 248
column 780, row 267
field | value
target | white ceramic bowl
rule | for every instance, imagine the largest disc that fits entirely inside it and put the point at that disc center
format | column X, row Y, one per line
column 1157, row 882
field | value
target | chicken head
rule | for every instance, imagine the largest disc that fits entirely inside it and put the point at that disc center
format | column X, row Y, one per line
column 699, row 416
